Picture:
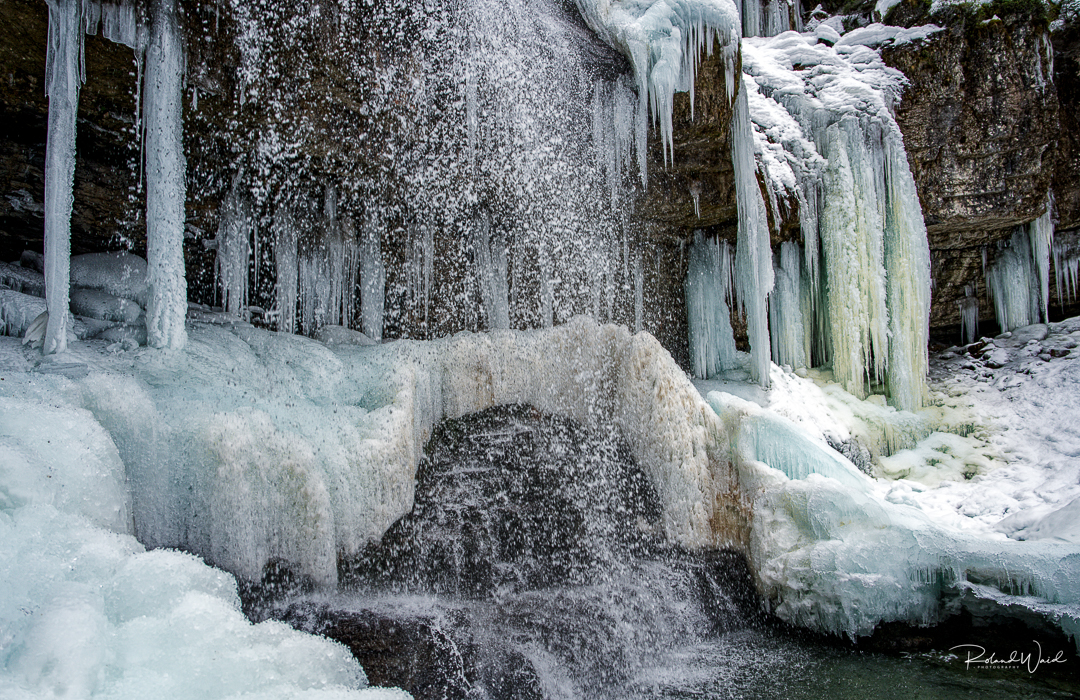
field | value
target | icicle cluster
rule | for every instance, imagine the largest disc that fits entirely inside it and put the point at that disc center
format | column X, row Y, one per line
column 1018, row 281
column 665, row 42
column 709, row 296
column 1066, row 265
column 825, row 136
column 159, row 46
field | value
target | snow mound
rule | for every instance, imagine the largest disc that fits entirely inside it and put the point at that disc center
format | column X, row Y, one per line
column 87, row 612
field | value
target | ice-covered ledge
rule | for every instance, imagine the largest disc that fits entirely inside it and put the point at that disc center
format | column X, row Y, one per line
column 250, row 445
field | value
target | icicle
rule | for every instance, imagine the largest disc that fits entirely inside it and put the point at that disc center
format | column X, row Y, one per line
column 547, row 289
column 695, row 194
column 753, row 257
column 1042, row 240
column 639, row 295
column 233, row 251
column 285, row 253
column 165, row 186
column 491, row 271
column 372, row 279
column 1066, row 265
column 63, row 78
column 1012, row 284
column 708, row 316
column 969, row 316
column 787, row 329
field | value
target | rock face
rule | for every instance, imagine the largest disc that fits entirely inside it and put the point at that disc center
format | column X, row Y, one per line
column 1066, row 42
column 980, row 123
column 984, row 126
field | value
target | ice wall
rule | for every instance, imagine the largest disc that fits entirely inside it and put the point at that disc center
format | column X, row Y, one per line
column 252, row 445
column 827, row 134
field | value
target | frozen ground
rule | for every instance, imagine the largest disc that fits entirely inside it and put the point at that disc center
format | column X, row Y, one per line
column 997, row 451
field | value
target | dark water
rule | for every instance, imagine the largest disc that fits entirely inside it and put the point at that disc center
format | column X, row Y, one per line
column 532, row 566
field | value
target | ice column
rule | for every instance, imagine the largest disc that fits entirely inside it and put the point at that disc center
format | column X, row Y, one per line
column 708, row 315
column 233, row 251
column 63, row 77
column 1041, row 231
column 491, row 269
column 165, row 187
column 786, row 319
column 287, row 270
column 907, row 260
column 753, row 257
column 1011, row 283
column 372, row 280
column 852, row 239
column 969, row 315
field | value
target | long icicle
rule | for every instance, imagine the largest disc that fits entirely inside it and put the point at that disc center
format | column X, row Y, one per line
column 63, row 78
column 165, row 186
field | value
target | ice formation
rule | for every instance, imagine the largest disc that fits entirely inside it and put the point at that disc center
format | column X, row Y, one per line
column 1012, row 283
column 709, row 295
column 860, row 199
column 166, row 190
column 253, row 445
column 63, row 78
column 1066, row 265
column 88, row 612
column 969, row 315
column 788, row 308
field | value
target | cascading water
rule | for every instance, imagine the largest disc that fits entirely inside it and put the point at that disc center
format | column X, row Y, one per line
column 533, row 564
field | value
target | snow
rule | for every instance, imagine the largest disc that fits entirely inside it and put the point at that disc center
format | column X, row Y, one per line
column 120, row 274
column 104, row 306
column 22, row 279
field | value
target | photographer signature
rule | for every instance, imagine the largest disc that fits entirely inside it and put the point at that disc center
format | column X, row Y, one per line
column 977, row 655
